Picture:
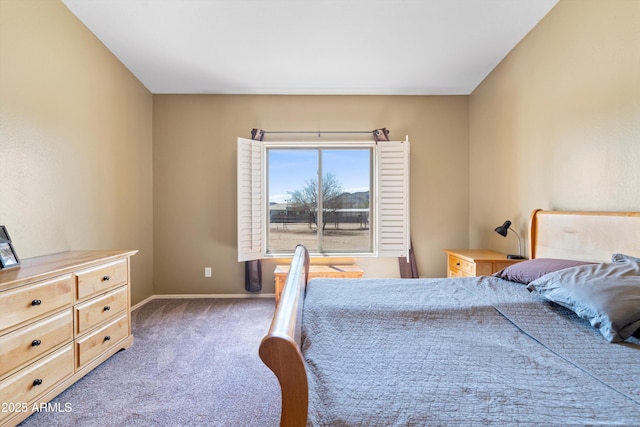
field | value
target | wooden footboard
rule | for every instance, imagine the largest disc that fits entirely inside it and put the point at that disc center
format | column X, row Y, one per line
column 280, row 348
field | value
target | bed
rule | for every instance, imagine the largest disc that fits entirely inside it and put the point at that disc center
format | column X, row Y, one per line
column 525, row 348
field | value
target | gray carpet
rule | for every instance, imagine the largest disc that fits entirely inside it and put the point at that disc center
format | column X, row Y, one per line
column 193, row 363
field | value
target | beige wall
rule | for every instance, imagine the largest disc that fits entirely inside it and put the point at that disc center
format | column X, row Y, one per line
column 557, row 124
column 195, row 177
column 75, row 141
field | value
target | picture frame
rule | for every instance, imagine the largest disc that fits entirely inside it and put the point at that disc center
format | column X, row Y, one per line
column 8, row 256
column 4, row 234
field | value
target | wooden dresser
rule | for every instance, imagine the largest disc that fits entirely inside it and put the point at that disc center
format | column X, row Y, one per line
column 61, row 315
column 334, row 271
column 476, row 262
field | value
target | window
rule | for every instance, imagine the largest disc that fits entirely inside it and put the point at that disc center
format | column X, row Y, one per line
column 337, row 221
column 363, row 207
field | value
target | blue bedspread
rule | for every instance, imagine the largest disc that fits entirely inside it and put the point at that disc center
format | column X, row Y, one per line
column 469, row 351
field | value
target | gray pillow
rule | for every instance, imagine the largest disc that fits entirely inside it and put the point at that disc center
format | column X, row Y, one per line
column 607, row 295
column 528, row 271
column 623, row 257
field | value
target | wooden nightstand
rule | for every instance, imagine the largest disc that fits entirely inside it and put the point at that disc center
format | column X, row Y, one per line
column 334, row 271
column 476, row 262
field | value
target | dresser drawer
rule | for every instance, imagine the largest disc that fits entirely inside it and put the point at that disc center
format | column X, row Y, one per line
column 26, row 385
column 32, row 341
column 99, row 309
column 101, row 340
column 461, row 264
column 27, row 302
column 98, row 279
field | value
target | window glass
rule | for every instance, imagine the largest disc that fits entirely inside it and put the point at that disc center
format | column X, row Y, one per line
column 339, row 221
column 291, row 173
column 346, row 186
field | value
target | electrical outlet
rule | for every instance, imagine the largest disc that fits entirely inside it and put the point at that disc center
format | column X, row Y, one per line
column 207, row 272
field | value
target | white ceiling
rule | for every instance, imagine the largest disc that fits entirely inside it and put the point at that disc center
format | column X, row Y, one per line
column 386, row 47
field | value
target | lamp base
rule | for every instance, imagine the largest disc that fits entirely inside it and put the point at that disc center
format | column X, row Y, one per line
column 515, row 257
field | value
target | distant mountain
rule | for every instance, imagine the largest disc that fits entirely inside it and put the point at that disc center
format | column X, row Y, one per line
column 357, row 200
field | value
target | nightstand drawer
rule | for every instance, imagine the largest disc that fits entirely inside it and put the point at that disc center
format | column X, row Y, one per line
column 453, row 272
column 461, row 264
column 475, row 262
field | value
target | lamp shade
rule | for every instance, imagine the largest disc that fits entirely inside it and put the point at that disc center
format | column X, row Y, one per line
column 502, row 230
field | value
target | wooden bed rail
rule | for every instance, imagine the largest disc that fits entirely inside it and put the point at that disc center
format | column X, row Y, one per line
column 280, row 348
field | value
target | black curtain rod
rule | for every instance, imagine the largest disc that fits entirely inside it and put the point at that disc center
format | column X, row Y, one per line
column 381, row 134
column 319, row 131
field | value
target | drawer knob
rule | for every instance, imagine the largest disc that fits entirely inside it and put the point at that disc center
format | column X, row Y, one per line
column 458, row 264
column 107, row 338
column 36, row 302
column 107, row 307
column 37, row 381
column 105, row 278
column 35, row 343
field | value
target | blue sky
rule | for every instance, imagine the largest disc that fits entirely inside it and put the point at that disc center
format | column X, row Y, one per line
column 289, row 169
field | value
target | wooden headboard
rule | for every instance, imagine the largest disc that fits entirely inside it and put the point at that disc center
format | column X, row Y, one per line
column 586, row 236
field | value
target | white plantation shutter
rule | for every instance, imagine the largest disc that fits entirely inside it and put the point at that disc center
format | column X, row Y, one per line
column 251, row 204
column 393, row 198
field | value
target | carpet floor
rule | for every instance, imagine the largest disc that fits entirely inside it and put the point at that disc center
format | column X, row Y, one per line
column 194, row 362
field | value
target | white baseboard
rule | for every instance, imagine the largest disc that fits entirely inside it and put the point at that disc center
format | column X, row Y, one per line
column 193, row 296
column 143, row 302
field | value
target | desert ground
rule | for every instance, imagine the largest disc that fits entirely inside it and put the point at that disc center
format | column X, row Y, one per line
column 285, row 237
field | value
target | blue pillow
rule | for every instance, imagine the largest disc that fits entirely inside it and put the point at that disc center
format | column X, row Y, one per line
column 607, row 295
